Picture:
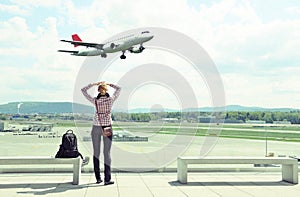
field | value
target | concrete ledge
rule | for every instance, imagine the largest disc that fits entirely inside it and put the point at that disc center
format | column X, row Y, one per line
column 30, row 169
column 289, row 167
column 75, row 162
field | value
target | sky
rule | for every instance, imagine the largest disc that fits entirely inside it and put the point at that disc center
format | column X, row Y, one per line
column 254, row 45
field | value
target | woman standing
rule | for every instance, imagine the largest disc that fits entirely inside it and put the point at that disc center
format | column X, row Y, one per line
column 102, row 119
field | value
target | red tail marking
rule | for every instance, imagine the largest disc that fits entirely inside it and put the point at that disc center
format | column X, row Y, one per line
column 75, row 37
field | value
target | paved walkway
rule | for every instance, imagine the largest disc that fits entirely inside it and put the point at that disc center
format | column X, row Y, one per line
column 148, row 184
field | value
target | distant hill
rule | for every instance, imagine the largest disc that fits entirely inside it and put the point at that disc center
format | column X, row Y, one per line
column 45, row 107
column 243, row 108
column 210, row 109
column 67, row 107
column 249, row 109
column 147, row 110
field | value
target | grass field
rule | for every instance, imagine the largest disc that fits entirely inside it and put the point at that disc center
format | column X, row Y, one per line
column 243, row 131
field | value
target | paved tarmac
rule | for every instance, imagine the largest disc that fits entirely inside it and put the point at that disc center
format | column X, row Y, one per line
column 207, row 183
column 148, row 184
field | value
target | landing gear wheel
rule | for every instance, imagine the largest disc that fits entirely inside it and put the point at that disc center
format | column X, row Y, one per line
column 123, row 57
column 141, row 48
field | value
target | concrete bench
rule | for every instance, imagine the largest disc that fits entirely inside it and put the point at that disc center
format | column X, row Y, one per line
column 289, row 166
column 76, row 162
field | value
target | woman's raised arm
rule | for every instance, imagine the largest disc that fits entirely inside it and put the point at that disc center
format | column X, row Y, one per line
column 85, row 93
column 117, row 91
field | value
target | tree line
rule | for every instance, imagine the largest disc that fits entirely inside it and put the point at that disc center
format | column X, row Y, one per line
column 230, row 117
column 269, row 117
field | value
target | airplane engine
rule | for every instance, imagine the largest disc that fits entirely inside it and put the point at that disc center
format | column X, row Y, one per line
column 112, row 45
column 109, row 46
column 137, row 49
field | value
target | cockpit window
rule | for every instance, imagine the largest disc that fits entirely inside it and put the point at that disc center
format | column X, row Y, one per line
column 143, row 32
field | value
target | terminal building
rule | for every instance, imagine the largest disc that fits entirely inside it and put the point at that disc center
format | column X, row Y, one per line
column 255, row 122
column 1, row 126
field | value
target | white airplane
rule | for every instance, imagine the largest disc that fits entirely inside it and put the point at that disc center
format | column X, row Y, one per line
column 124, row 43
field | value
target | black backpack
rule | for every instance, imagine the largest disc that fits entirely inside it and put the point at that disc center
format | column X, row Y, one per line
column 68, row 147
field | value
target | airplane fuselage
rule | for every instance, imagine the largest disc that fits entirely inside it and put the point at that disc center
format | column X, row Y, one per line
column 120, row 44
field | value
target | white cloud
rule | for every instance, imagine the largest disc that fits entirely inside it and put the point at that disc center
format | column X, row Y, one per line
column 15, row 31
column 272, row 91
column 50, row 77
column 247, row 89
column 40, row 84
column 247, row 50
column 179, row 67
column 293, row 10
column 37, row 3
column 13, row 9
column 229, row 30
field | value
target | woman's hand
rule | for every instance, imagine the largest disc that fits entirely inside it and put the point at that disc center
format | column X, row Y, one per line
column 99, row 83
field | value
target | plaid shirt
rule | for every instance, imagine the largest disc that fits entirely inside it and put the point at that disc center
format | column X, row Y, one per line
column 104, row 105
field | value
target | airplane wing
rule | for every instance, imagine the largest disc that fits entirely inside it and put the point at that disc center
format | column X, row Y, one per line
column 87, row 44
column 66, row 51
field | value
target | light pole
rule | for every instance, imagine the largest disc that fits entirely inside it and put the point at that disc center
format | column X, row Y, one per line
column 19, row 105
column 266, row 134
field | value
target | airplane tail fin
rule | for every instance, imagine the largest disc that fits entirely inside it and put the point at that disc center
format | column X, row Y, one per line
column 76, row 38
